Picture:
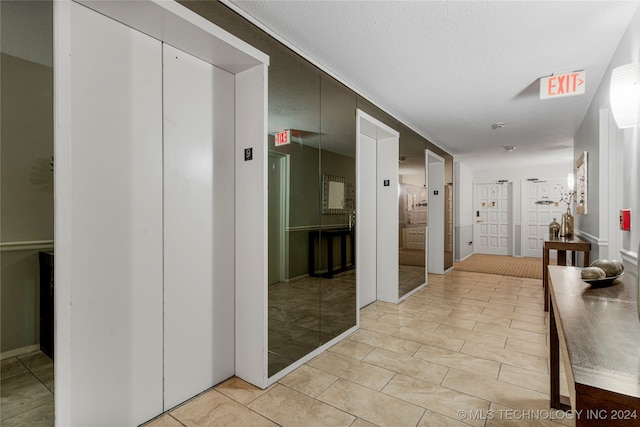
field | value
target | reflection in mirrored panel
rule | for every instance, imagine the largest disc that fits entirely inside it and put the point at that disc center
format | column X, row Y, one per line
column 338, row 306
column 413, row 212
column 337, row 195
column 312, row 296
column 294, row 209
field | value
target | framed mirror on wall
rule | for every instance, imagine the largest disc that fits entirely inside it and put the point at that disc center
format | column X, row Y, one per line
column 581, row 184
column 337, row 195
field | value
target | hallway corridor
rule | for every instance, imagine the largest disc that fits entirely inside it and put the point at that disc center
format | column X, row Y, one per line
column 469, row 349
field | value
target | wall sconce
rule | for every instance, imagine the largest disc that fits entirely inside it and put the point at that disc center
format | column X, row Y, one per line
column 571, row 181
column 625, row 95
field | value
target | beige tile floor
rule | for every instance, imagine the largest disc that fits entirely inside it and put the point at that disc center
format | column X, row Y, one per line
column 26, row 390
column 469, row 349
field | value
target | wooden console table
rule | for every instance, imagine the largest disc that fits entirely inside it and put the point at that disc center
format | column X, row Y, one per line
column 599, row 333
column 561, row 245
column 329, row 235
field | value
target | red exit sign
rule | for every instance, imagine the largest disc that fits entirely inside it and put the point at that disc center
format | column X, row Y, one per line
column 283, row 138
column 561, row 85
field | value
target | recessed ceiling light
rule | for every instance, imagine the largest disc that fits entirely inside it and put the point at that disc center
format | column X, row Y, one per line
column 510, row 148
column 498, row 125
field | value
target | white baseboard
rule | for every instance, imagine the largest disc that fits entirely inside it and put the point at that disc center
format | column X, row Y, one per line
column 19, row 351
column 460, row 260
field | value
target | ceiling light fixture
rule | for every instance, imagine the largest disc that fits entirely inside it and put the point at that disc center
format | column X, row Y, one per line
column 510, row 148
column 624, row 95
column 498, row 125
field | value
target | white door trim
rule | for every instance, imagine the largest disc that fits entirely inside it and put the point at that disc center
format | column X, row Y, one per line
column 436, row 205
column 284, row 161
column 509, row 223
column 377, row 270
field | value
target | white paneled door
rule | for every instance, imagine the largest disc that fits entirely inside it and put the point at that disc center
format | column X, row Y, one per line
column 540, row 206
column 493, row 219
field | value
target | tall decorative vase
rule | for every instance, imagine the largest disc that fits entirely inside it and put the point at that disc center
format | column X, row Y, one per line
column 566, row 226
column 554, row 230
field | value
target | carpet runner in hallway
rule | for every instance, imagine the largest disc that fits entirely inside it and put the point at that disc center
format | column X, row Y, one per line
column 502, row 265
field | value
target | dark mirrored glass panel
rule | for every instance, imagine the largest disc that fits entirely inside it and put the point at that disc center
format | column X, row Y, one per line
column 294, row 210
column 413, row 212
column 338, row 305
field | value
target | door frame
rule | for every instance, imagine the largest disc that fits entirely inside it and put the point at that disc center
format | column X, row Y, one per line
column 436, row 205
column 510, row 218
column 377, row 270
column 284, row 163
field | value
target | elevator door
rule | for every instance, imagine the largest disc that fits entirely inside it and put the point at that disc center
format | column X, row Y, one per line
column 198, row 226
column 153, row 198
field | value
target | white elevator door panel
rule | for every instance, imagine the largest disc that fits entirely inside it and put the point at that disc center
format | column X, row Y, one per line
column 115, row 225
column 366, row 221
column 198, row 225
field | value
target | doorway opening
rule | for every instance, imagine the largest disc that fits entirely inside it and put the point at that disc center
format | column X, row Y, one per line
column 436, row 203
column 377, row 210
column 494, row 219
column 278, row 214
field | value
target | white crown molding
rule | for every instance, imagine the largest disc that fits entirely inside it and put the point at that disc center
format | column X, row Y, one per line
column 231, row 5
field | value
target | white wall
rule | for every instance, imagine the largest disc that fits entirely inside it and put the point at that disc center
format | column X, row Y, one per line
column 463, row 216
column 587, row 139
column 26, row 196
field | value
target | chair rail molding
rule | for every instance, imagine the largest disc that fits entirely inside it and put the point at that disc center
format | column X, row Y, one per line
column 629, row 257
column 26, row 245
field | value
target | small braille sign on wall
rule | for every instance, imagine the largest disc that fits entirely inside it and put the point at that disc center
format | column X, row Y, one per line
column 248, row 154
column 386, row 182
column 435, row 192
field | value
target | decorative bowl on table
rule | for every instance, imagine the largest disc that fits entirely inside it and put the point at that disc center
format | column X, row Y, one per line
column 602, row 272
column 605, row 281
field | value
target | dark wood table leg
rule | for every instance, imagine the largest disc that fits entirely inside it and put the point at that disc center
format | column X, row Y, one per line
column 554, row 363
column 343, row 252
column 312, row 254
column 545, row 277
column 562, row 257
column 330, row 256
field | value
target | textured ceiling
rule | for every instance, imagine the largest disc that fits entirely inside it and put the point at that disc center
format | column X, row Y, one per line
column 449, row 69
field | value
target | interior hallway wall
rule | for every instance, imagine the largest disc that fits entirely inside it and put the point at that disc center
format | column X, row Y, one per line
column 463, row 219
column 26, row 195
column 587, row 139
column 292, row 100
